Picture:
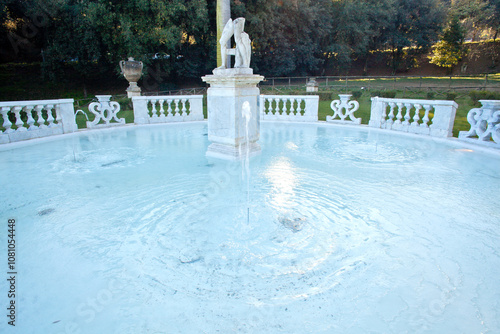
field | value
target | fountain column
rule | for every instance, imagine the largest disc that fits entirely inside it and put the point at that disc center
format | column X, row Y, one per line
column 229, row 89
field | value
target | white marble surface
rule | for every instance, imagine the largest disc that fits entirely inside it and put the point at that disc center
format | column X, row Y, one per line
column 44, row 118
column 104, row 111
column 296, row 108
column 243, row 49
column 343, row 109
column 484, row 124
column 226, row 122
column 167, row 108
column 429, row 117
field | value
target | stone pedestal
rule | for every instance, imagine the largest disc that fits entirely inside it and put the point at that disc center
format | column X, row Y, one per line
column 227, row 124
column 312, row 85
column 133, row 90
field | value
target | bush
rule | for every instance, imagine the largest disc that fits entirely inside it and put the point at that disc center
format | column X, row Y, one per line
column 356, row 94
column 125, row 103
column 324, row 96
column 451, row 96
column 476, row 95
column 431, row 95
column 380, row 93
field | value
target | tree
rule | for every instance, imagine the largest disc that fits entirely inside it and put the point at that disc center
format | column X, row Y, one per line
column 359, row 29
column 288, row 37
column 412, row 30
column 93, row 36
column 450, row 50
column 474, row 15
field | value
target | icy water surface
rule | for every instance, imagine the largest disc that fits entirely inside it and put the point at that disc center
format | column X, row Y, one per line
column 134, row 230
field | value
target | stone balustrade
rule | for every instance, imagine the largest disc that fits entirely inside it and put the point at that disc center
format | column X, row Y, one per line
column 484, row 124
column 23, row 120
column 105, row 112
column 343, row 109
column 428, row 117
column 169, row 108
column 297, row 108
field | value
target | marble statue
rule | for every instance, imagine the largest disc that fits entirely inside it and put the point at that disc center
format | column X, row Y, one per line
column 232, row 98
column 243, row 49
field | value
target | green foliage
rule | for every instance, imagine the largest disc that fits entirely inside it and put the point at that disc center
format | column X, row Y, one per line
column 177, row 39
column 414, row 27
column 430, row 95
column 383, row 93
column 476, row 95
column 326, row 96
column 360, row 27
column 449, row 50
column 93, row 36
column 287, row 36
column 451, row 96
column 356, row 94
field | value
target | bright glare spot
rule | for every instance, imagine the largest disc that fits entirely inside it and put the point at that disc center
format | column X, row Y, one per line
column 291, row 146
column 281, row 174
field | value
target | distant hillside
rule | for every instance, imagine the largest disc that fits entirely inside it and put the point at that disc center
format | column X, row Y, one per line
column 482, row 58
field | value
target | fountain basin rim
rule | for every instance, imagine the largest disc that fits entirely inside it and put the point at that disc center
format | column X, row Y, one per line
column 364, row 127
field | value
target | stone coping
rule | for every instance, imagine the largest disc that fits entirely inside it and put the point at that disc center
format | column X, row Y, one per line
column 35, row 102
column 364, row 127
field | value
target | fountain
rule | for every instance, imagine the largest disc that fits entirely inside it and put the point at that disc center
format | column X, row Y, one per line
column 230, row 89
column 348, row 230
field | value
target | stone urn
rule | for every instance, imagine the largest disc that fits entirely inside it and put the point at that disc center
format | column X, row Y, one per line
column 312, row 85
column 132, row 71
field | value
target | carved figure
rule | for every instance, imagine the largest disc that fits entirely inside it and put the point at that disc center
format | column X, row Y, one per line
column 243, row 49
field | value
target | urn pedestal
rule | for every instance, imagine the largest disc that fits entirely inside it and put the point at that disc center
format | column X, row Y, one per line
column 233, row 129
column 132, row 71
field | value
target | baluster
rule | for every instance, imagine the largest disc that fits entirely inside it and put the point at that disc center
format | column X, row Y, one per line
column 303, row 110
column 390, row 121
column 184, row 109
column 177, row 107
column 285, row 107
column 58, row 115
column 293, row 109
column 187, row 105
column 50, row 118
column 153, row 108
column 399, row 116
column 19, row 121
column 169, row 108
column 276, row 107
column 6, row 122
column 407, row 114
column 31, row 120
column 416, row 118
column 425, row 120
column 162, row 111
column 40, row 120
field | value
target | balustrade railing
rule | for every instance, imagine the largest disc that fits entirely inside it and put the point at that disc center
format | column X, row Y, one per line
column 343, row 109
column 105, row 112
column 302, row 108
column 484, row 124
column 168, row 108
column 23, row 120
column 434, row 118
